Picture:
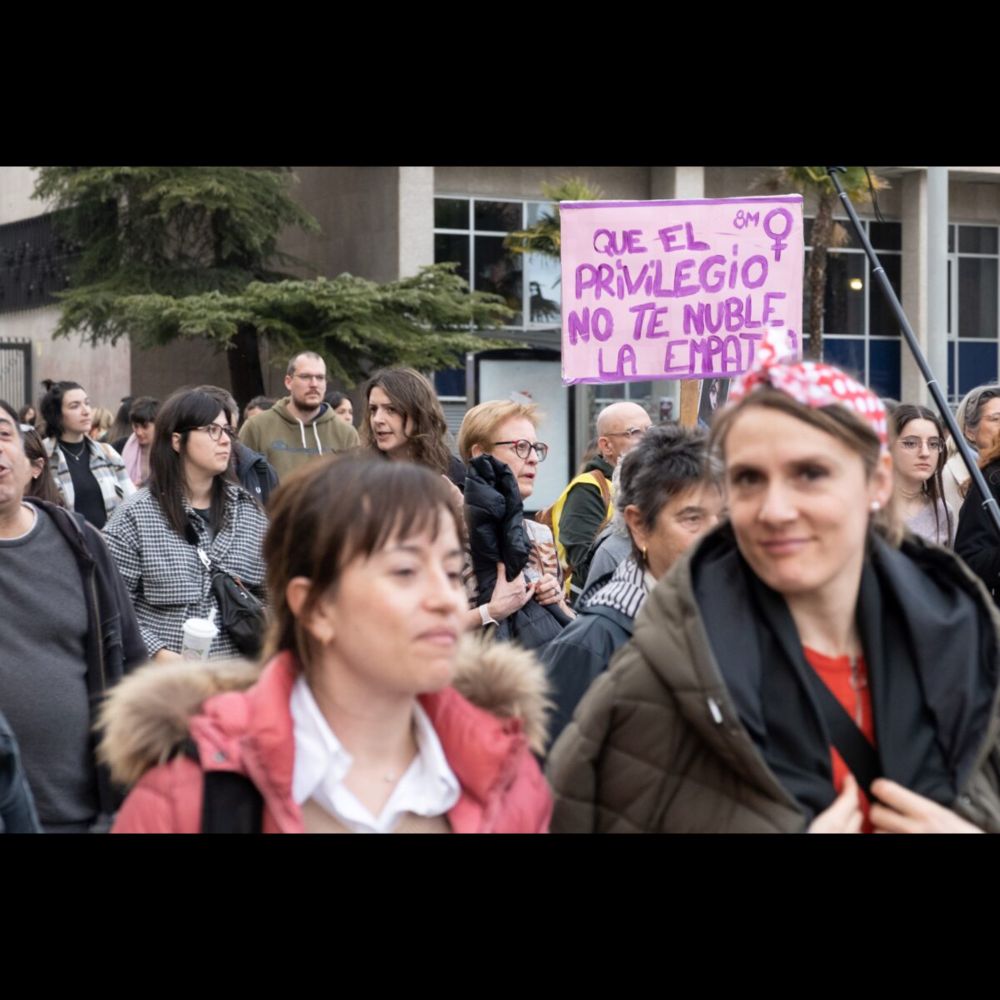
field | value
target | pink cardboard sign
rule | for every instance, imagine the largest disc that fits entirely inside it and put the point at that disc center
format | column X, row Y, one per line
column 677, row 289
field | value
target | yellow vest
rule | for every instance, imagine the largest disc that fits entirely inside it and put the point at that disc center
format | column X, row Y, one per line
column 556, row 513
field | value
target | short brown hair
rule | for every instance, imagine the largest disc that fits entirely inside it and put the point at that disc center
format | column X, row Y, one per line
column 331, row 511
column 481, row 421
column 837, row 421
column 290, row 370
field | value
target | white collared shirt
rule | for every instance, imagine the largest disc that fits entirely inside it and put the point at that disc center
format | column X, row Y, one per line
column 428, row 788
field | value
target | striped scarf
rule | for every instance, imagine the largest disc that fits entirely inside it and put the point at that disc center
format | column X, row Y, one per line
column 625, row 591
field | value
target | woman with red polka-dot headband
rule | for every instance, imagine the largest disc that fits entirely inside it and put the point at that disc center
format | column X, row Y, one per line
column 805, row 667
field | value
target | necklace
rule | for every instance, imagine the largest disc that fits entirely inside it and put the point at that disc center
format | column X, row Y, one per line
column 75, row 455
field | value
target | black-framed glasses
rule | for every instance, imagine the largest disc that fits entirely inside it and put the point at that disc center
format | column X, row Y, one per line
column 524, row 447
column 214, row 431
column 633, row 433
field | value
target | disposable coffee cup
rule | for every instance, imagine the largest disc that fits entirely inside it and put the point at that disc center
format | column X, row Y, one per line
column 198, row 636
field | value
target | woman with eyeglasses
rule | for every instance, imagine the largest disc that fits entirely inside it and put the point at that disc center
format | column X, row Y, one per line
column 504, row 433
column 918, row 457
column 978, row 418
column 190, row 520
column 976, row 540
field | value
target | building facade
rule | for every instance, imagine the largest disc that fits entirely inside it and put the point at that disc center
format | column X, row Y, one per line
column 939, row 244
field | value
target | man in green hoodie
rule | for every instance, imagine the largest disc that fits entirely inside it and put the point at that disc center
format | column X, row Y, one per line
column 300, row 426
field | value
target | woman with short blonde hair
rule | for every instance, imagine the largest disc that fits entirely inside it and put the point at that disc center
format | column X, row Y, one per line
column 481, row 421
column 507, row 431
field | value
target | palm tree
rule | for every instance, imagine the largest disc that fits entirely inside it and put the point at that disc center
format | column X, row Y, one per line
column 826, row 232
column 543, row 237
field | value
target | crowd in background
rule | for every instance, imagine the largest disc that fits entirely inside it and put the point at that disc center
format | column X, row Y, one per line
column 784, row 621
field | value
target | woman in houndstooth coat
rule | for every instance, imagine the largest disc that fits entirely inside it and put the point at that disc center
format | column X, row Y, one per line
column 190, row 520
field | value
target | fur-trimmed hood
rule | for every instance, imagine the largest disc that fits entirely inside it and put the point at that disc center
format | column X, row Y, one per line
column 147, row 716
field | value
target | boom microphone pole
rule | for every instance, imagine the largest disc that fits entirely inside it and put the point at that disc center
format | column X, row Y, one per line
column 989, row 502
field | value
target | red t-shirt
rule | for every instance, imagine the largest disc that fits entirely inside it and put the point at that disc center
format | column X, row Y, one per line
column 851, row 689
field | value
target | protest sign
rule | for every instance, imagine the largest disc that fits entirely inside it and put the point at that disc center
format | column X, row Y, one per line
column 677, row 289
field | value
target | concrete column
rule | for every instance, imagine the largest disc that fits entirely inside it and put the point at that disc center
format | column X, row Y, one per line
column 416, row 219
column 925, row 277
column 667, row 183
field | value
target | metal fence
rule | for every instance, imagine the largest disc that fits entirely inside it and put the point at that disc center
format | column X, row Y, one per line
column 15, row 372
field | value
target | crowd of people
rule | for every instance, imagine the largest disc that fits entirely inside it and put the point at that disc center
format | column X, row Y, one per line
column 785, row 621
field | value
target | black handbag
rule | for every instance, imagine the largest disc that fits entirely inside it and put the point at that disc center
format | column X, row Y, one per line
column 240, row 613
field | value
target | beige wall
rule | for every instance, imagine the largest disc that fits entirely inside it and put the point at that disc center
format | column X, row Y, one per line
column 102, row 371
column 974, row 202
column 358, row 209
column 16, row 203
column 526, row 182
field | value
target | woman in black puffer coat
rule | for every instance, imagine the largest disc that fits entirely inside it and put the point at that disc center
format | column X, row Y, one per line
column 494, row 515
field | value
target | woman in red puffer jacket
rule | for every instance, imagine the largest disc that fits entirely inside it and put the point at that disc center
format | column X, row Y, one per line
column 368, row 716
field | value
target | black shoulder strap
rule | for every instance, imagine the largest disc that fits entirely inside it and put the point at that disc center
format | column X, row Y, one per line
column 858, row 754
column 230, row 803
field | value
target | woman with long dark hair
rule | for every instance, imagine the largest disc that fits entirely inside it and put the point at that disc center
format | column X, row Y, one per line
column 405, row 422
column 189, row 520
column 918, row 458
column 91, row 476
column 342, row 405
column 371, row 714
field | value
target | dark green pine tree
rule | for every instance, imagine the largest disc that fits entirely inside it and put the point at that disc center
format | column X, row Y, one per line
column 168, row 252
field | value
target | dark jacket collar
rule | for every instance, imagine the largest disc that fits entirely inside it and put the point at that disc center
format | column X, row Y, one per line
column 601, row 465
column 930, row 644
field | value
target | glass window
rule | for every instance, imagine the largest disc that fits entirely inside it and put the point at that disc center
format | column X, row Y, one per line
column 881, row 319
column 497, row 216
column 450, row 247
column 450, row 382
column 844, row 306
column 536, row 209
column 977, row 365
column 499, row 272
column 846, row 354
column 544, row 296
column 528, row 283
column 886, row 235
column 451, row 213
column 948, row 270
column 977, row 239
column 845, row 224
column 883, row 365
column 977, row 297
